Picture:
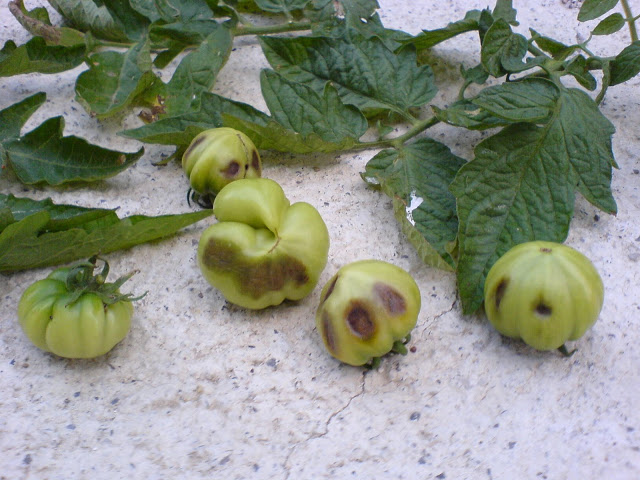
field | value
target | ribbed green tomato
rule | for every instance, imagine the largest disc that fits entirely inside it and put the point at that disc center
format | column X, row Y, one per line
column 217, row 157
column 61, row 315
column 366, row 309
column 544, row 293
column 263, row 250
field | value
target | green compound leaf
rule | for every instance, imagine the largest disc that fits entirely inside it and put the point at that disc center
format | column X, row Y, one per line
column 216, row 111
column 196, row 73
column 521, row 186
column 282, row 6
column 417, row 177
column 115, row 79
column 592, row 9
column 610, row 25
column 364, row 71
column 529, row 100
column 626, row 64
column 37, row 56
column 299, row 108
column 114, row 20
column 13, row 118
column 502, row 50
column 40, row 237
column 466, row 114
column 45, row 156
column 430, row 38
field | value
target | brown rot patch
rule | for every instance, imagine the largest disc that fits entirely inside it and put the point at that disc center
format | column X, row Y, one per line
column 542, row 309
column 392, row 300
column 327, row 333
column 194, row 144
column 332, row 285
column 360, row 320
column 255, row 278
column 219, row 255
column 255, row 160
column 232, row 169
column 500, row 291
column 545, row 250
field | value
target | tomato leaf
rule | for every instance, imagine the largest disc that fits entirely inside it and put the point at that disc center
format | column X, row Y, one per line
column 195, row 74
column 626, row 64
column 521, row 186
column 299, row 108
column 281, row 6
column 216, row 111
column 13, row 118
column 417, row 177
column 114, row 20
column 364, row 71
column 114, row 80
column 609, row 25
column 44, row 156
column 592, row 9
column 502, row 50
column 30, row 241
column 37, row 56
column 430, row 38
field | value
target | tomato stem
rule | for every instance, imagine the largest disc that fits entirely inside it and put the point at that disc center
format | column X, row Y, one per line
column 563, row 350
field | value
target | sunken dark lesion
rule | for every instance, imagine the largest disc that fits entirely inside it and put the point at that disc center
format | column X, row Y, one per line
column 255, row 279
column 194, row 144
column 392, row 300
column 330, row 288
column 232, row 169
column 542, row 309
column 328, row 333
column 255, row 161
column 360, row 319
column 501, row 289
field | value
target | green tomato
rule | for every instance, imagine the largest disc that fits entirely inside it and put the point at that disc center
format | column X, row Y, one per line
column 217, row 157
column 367, row 310
column 263, row 250
column 544, row 293
column 75, row 315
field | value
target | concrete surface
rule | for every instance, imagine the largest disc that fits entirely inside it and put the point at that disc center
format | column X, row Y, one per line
column 202, row 389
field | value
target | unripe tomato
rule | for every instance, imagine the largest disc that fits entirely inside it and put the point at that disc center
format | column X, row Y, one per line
column 73, row 314
column 367, row 310
column 263, row 250
column 544, row 293
column 217, row 157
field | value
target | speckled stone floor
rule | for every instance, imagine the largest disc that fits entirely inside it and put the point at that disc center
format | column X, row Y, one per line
column 202, row 389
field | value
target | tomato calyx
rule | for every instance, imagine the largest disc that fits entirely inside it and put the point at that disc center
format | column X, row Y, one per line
column 80, row 280
column 564, row 351
column 399, row 347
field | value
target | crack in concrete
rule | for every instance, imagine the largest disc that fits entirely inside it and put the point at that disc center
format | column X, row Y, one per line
column 315, row 436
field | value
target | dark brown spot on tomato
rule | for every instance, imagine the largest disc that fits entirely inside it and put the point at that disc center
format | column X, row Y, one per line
column 543, row 309
column 232, row 169
column 500, row 291
column 360, row 320
column 255, row 279
column 255, row 161
column 393, row 301
column 332, row 285
column 328, row 333
column 197, row 141
column 545, row 250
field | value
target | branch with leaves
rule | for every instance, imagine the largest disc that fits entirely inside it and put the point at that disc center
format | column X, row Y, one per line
column 342, row 75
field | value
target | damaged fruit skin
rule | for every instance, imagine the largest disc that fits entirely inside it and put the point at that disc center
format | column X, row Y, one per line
column 365, row 308
column 263, row 250
column 217, row 157
column 544, row 293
